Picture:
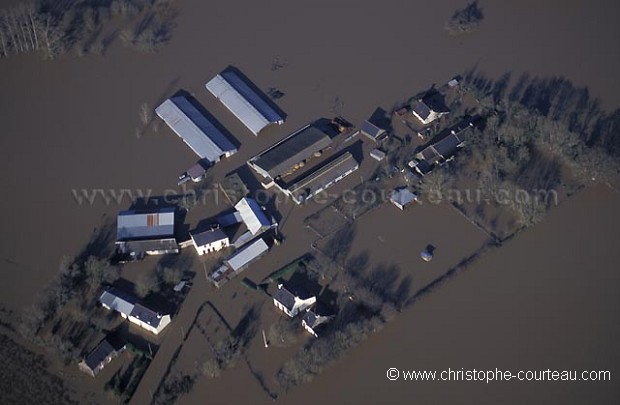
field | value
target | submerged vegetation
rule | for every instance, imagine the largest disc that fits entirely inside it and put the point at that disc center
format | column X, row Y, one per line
column 53, row 28
column 465, row 20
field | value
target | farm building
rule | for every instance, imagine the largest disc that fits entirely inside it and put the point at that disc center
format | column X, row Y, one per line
column 372, row 131
column 208, row 241
column 146, row 232
column 99, row 357
column 128, row 307
column 402, row 198
column 198, row 132
column 321, row 178
column 377, row 154
column 244, row 101
column 252, row 215
column 291, row 303
column 246, row 255
column 287, row 155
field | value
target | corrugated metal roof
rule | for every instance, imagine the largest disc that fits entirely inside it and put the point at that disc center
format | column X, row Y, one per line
column 243, row 101
column 293, row 149
column 134, row 224
column 200, row 134
column 252, row 215
column 323, row 177
column 246, row 255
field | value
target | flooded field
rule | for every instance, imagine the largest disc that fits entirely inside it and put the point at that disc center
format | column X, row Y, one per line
column 547, row 299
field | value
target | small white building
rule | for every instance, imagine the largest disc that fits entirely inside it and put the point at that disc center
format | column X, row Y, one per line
column 289, row 303
column 209, row 241
column 402, row 197
column 377, row 154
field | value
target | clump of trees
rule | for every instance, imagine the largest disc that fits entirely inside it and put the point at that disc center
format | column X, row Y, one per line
column 284, row 332
column 65, row 313
column 53, row 28
column 465, row 20
column 29, row 27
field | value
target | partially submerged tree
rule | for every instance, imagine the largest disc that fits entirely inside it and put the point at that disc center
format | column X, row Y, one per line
column 465, row 20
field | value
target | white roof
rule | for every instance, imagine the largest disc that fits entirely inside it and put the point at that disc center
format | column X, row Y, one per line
column 200, row 134
column 403, row 197
column 243, row 101
column 244, row 256
column 252, row 215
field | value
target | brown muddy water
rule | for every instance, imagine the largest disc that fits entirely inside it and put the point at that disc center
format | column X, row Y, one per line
column 547, row 299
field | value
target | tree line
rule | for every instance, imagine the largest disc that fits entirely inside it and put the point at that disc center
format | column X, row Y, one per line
column 52, row 28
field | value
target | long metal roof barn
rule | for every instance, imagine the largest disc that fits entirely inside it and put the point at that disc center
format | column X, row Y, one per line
column 246, row 255
column 291, row 150
column 145, row 224
column 200, row 134
column 243, row 101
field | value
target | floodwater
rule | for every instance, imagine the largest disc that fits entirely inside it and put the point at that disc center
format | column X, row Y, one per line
column 70, row 124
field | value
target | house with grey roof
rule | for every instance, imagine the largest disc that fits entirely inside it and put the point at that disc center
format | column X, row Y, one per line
column 211, row 240
column 199, row 133
column 313, row 321
column 244, row 101
column 99, row 357
column 291, row 303
column 427, row 111
column 146, row 232
column 129, row 308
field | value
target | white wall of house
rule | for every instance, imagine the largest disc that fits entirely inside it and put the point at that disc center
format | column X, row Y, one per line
column 212, row 247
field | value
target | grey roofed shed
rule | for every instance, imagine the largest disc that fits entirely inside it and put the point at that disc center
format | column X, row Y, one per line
column 323, row 177
column 246, row 255
column 371, row 130
column 169, row 245
column 200, row 134
column 145, row 224
column 208, row 236
column 99, row 356
column 298, row 146
column 243, row 101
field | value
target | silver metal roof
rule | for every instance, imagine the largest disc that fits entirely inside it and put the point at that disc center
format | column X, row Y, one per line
column 145, row 224
column 252, row 215
column 246, row 255
column 200, row 134
column 243, row 101
column 115, row 301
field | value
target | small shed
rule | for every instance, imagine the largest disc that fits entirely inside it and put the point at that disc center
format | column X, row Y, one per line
column 377, row 154
column 402, row 198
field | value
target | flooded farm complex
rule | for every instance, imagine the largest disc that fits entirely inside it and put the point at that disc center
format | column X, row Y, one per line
column 285, row 205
